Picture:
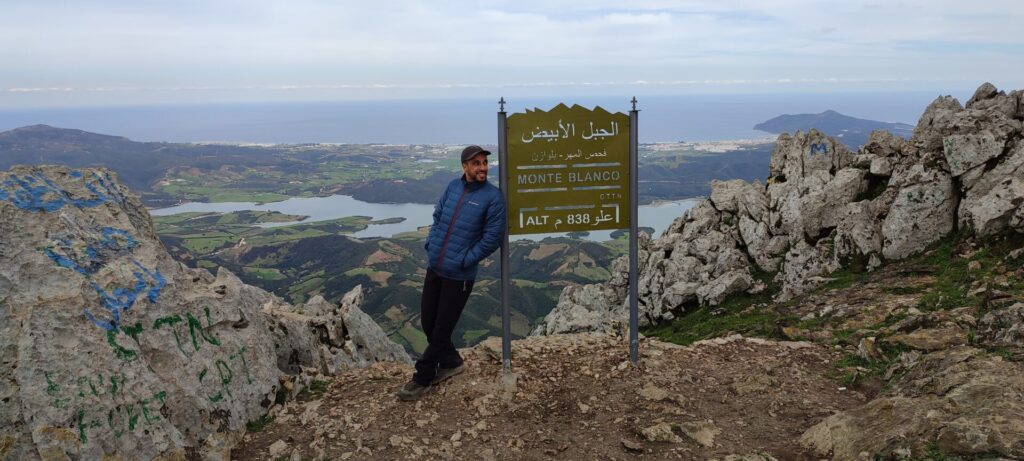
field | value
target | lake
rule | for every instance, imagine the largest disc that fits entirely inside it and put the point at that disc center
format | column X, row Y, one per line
column 657, row 215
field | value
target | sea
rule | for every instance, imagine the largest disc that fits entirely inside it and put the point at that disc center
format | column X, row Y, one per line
column 668, row 118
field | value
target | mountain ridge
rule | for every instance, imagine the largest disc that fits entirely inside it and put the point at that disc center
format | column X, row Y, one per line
column 164, row 173
column 853, row 131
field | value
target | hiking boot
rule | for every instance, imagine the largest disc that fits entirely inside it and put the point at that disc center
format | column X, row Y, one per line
column 412, row 391
column 445, row 373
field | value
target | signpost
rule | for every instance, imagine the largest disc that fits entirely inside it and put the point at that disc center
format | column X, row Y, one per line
column 567, row 170
column 564, row 170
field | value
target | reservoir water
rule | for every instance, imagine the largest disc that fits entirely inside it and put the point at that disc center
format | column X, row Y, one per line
column 657, row 216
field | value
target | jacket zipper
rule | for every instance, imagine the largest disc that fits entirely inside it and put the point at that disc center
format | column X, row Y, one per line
column 455, row 214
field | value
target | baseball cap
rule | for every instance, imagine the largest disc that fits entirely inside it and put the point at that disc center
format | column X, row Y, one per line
column 471, row 151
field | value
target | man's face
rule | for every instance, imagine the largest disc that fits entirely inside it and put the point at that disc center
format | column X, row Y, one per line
column 475, row 168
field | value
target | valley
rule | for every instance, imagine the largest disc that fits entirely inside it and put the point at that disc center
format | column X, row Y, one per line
column 299, row 261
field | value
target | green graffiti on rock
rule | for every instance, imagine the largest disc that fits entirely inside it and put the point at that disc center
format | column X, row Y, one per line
column 171, row 321
column 126, row 355
column 245, row 366
column 193, row 325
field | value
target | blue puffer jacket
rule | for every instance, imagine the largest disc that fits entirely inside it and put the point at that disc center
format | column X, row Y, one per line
column 469, row 224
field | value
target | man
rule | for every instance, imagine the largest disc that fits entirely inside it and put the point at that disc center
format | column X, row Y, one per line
column 469, row 224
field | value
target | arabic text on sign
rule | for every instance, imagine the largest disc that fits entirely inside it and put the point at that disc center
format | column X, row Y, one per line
column 568, row 170
column 568, row 130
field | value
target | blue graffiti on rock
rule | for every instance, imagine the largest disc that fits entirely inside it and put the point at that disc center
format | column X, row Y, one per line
column 819, row 148
column 94, row 254
column 148, row 283
column 35, row 192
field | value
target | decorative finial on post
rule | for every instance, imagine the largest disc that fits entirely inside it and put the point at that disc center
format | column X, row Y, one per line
column 634, row 102
column 501, row 104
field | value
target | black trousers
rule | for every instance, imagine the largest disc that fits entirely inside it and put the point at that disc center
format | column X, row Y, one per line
column 440, row 309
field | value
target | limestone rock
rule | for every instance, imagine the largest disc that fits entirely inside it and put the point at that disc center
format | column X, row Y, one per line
column 702, row 432
column 1003, row 328
column 661, row 432
column 988, row 98
column 966, row 151
column 724, row 194
column 882, row 144
column 824, row 206
column 820, row 205
column 1001, row 209
column 978, row 210
column 764, row 248
column 582, row 308
column 881, row 166
column 697, row 261
column 336, row 339
column 984, row 92
column 964, row 401
column 111, row 347
column 116, row 343
column 935, row 122
column 924, row 211
column 858, row 231
column 804, row 268
column 718, row 289
column 752, row 201
column 365, row 338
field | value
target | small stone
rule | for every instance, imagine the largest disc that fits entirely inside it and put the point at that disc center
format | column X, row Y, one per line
column 632, row 446
column 867, row 349
column 702, row 432
column 277, row 449
column 651, row 392
column 974, row 266
column 661, row 432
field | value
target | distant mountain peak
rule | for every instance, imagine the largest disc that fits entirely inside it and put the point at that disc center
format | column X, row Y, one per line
column 47, row 132
column 854, row 131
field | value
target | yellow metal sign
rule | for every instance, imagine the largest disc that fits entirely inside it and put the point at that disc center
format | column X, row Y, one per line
column 568, row 170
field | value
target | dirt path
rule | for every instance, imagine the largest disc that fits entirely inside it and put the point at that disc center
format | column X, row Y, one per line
column 577, row 398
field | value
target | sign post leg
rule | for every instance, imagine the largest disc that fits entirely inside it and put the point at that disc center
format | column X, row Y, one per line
column 634, row 225
column 506, row 317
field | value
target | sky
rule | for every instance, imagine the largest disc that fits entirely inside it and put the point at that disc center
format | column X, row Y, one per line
column 131, row 52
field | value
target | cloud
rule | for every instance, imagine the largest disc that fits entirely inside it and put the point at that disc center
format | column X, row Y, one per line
column 263, row 44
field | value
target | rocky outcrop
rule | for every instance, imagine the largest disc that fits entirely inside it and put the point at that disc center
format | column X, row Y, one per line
column 110, row 347
column 822, row 208
column 958, row 400
column 1003, row 329
column 331, row 338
